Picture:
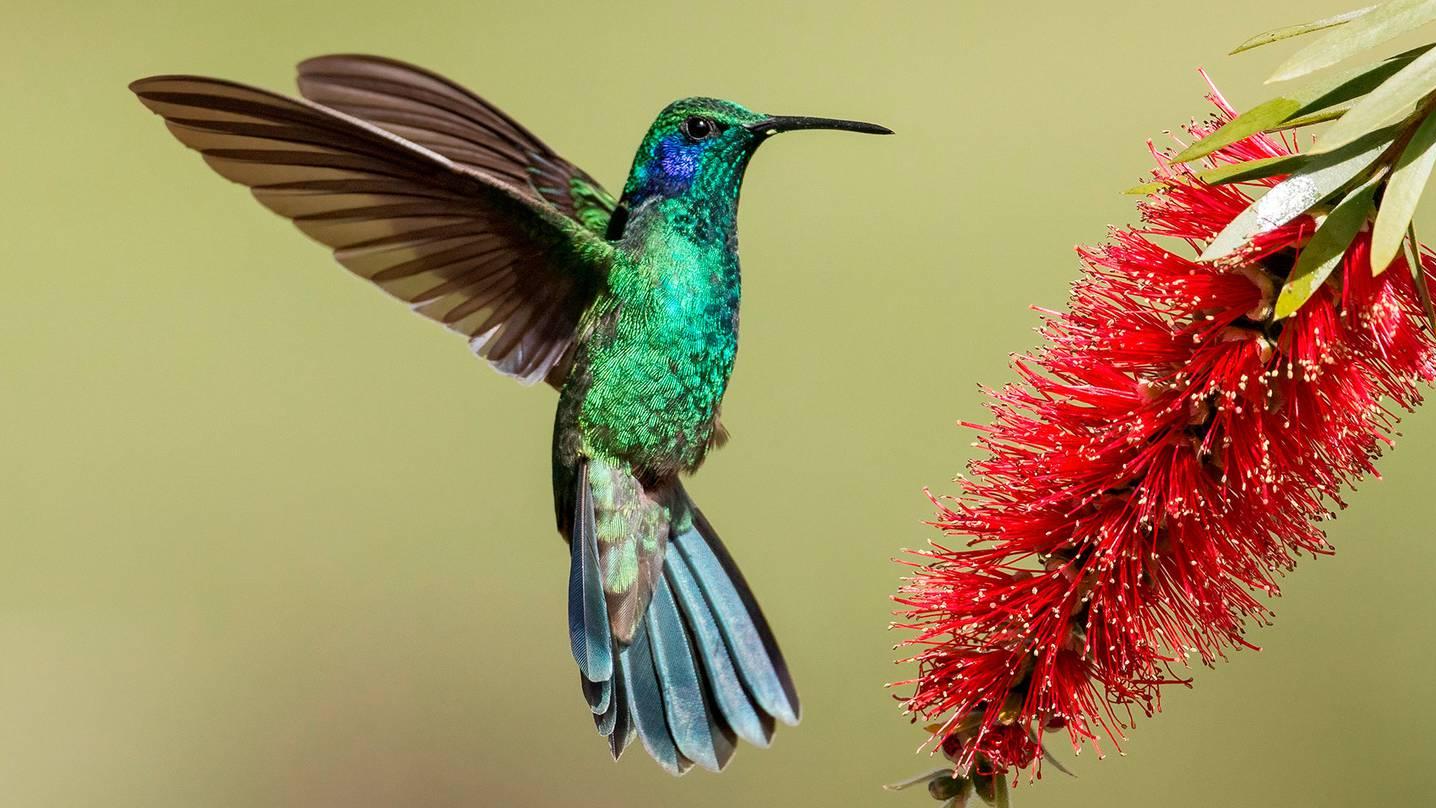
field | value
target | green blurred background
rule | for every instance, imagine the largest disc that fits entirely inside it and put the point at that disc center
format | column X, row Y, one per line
column 268, row 540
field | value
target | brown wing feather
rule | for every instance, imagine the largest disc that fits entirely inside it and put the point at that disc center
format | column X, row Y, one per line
column 461, row 247
column 436, row 113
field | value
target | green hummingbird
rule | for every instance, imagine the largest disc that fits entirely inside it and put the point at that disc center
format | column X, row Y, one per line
column 628, row 307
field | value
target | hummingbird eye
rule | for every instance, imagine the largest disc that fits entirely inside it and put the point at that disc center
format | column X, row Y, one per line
column 696, row 128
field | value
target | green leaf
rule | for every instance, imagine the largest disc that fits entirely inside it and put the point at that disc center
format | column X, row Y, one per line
column 1258, row 169
column 1231, row 172
column 1289, row 31
column 1392, row 100
column 986, row 786
column 1386, row 21
column 1278, row 112
column 1321, row 255
column 1318, row 178
column 1403, row 192
column 1262, row 116
column 1352, row 84
column 1002, row 800
column 1328, row 114
column 1144, row 189
column 917, row 780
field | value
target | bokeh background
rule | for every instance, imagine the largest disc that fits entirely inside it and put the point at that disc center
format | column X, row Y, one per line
column 267, row 540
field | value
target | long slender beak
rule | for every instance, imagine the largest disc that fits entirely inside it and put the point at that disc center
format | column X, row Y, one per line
column 788, row 123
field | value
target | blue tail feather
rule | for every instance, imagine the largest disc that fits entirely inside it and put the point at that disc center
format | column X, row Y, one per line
column 749, row 639
column 620, row 729
column 646, row 703
column 697, row 731
column 703, row 668
column 588, row 629
column 727, row 687
column 607, row 718
column 598, row 694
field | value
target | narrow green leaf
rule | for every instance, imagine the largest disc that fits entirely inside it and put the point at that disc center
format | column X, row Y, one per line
column 1386, row 21
column 985, row 785
column 1322, row 254
column 1403, row 192
column 1328, row 114
column 1262, row 116
column 1002, row 800
column 1289, row 31
column 916, row 780
column 1392, row 100
column 1276, row 113
column 1349, row 85
column 1258, row 169
column 1232, row 172
column 1318, row 178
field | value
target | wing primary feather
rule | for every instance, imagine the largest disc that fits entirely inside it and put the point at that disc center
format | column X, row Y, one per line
column 423, row 226
column 439, row 114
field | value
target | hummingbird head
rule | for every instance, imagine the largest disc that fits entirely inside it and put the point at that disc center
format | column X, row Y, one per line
column 697, row 149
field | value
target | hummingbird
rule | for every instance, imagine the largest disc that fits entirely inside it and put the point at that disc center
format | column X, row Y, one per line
column 628, row 307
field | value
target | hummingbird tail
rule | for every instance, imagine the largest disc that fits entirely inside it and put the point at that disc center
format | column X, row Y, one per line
column 702, row 670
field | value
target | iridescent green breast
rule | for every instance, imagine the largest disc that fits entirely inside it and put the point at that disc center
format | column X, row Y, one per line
column 659, row 352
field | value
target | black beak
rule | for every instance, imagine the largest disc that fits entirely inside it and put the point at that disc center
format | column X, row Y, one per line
column 788, row 123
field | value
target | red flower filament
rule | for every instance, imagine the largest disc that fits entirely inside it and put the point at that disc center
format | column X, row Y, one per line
column 1165, row 455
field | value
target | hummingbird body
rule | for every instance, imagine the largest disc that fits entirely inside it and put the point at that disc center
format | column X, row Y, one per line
column 628, row 307
column 653, row 363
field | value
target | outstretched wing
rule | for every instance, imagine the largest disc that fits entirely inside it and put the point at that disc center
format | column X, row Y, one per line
column 461, row 247
column 436, row 113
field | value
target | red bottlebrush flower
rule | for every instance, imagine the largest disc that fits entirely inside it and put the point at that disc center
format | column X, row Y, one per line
column 1167, row 453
